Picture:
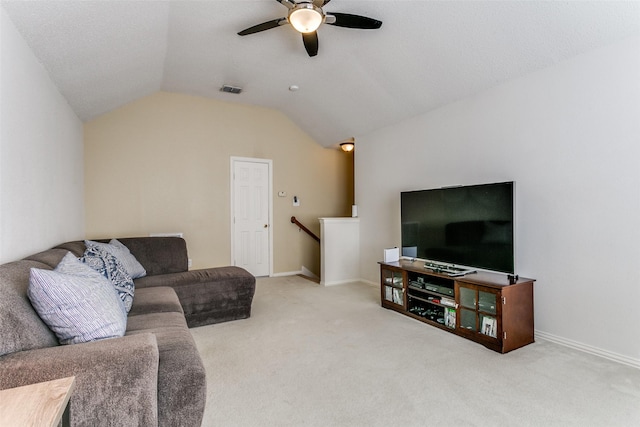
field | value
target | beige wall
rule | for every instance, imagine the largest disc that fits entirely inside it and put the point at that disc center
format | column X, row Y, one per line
column 161, row 164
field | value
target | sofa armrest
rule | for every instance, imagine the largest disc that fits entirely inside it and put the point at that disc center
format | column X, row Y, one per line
column 116, row 379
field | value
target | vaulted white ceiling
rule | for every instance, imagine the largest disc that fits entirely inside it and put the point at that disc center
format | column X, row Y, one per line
column 104, row 54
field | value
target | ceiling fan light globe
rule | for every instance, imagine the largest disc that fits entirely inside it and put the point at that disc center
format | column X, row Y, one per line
column 347, row 146
column 306, row 18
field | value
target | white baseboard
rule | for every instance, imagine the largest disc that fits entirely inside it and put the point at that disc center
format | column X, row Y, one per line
column 286, row 273
column 304, row 271
column 338, row 282
column 370, row 283
column 635, row 363
column 309, row 273
column 360, row 280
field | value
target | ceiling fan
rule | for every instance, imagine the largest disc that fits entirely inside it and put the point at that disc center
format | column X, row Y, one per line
column 306, row 16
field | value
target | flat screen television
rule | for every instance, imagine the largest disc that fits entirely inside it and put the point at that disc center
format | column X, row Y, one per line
column 467, row 226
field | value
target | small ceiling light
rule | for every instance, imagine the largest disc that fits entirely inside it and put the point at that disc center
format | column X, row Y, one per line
column 294, row 88
column 305, row 17
column 348, row 145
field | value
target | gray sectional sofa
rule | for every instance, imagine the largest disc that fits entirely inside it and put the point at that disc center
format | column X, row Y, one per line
column 153, row 375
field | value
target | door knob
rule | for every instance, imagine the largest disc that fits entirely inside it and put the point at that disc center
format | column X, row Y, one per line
column 266, row 225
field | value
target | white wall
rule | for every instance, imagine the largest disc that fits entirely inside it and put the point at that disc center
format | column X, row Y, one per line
column 41, row 155
column 570, row 138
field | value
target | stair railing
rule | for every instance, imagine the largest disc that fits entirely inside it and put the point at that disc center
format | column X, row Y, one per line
column 305, row 229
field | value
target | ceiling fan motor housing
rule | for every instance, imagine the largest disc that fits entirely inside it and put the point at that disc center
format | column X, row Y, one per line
column 307, row 16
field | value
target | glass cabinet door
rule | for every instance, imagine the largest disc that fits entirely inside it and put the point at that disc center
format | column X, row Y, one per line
column 468, row 298
column 487, row 313
column 393, row 286
column 478, row 310
column 468, row 319
column 393, row 278
column 487, row 302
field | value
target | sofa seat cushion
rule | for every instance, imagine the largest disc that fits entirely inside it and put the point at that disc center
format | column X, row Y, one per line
column 209, row 295
column 160, row 299
column 153, row 321
column 182, row 388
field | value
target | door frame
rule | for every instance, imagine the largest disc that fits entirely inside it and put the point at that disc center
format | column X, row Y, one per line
column 269, row 163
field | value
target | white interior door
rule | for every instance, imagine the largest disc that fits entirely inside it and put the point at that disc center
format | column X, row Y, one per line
column 251, row 215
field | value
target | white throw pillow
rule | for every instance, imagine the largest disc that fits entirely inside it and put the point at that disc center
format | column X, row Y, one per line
column 77, row 308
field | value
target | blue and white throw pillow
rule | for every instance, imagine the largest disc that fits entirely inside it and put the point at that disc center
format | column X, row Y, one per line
column 133, row 266
column 108, row 265
column 124, row 255
column 76, row 308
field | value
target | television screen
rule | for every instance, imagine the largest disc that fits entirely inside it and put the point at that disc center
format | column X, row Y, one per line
column 470, row 226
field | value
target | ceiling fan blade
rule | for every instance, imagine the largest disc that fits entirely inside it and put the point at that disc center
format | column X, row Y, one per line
column 288, row 3
column 319, row 3
column 310, row 41
column 353, row 21
column 264, row 26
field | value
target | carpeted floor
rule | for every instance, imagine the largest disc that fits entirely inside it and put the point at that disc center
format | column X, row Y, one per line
column 331, row 356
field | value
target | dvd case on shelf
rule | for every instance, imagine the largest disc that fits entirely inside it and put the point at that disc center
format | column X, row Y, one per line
column 397, row 296
column 489, row 326
column 387, row 293
column 450, row 317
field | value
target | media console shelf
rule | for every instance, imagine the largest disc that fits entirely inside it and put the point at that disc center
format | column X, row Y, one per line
column 483, row 307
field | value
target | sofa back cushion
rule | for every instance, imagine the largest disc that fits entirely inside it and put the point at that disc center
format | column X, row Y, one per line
column 76, row 247
column 51, row 257
column 158, row 255
column 20, row 326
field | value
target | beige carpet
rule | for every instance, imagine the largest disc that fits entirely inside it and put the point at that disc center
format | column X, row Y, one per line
column 316, row 356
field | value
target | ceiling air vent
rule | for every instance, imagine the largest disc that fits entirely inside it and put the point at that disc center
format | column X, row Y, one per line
column 230, row 89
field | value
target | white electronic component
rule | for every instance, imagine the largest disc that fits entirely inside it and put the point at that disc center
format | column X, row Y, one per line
column 166, row 235
column 391, row 255
column 447, row 302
